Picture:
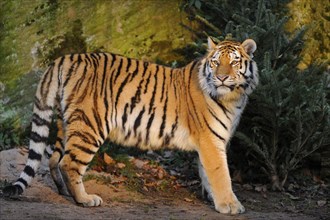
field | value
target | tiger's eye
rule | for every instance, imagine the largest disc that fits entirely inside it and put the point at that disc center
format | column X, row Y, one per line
column 215, row 62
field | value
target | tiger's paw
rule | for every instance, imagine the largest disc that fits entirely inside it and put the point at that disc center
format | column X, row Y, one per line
column 230, row 205
column 90, row 200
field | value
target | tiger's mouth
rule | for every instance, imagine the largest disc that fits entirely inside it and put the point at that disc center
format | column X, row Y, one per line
column 224, row 88
column 222, row 85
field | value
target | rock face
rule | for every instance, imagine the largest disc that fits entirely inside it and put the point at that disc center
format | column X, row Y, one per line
column 40, row 31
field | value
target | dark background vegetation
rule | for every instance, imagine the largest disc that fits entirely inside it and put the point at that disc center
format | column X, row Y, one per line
column 285, row 128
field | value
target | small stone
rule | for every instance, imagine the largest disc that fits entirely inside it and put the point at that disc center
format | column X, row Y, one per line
column 247, row 187
column 121, row 165
column 188, row 200
column 321, row 203
column 139, row 163
column 160, row 174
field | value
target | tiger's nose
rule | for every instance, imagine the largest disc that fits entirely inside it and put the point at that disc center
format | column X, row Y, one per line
column 222, row 78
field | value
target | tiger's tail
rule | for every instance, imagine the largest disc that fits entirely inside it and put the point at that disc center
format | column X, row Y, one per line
column 45, row 101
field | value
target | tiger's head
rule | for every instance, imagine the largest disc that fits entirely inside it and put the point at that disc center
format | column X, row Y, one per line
column 227, row 70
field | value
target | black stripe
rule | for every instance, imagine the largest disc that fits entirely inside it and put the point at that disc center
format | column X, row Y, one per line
column 162, row 126
column 95, row 60
column 171, row 76
column 163, row 86
column 44, row 88
column 174, row 84
column 60, row 64
column 245, row 64
column 79, row 115
column 105, row 101
column 99, row 123
column 149, row 124
column 82, row 96
column 223, row 125
column 59, row 151
column 119, row 69
column 94, row 82
column 61, row 144
column 124, row 117
column 29, row 171
column 136, row 71
column 48, row 155
column 204, row 68
column 191, row 72
column 175, row 124
column 37, row 104
column 77, row 171
column 44, row 77
column 81, row 78
column 111, row 85
column 191, row 118
column 89, row 61
column 36, row 119
column 79, row 59
column 84, row 136
column 120, row 90
column 167, row 140
column 251, row 69
column 37, row 138
column 69, row 73
column 23, row 181
column 84, row 149
column 148, row 79
column 104, row 73
column 223, row 108
column 194, row 108
column 128, row 64
column 74, row 159
column 217, row 135
column 98, row 55
column 128, row 134
column 153, row 95
column 136, row 98
column 244, row 85
column 34, row 155
column 138, row 120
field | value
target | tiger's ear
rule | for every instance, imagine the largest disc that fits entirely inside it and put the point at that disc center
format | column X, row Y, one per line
column 210, row 43
column 249, row 46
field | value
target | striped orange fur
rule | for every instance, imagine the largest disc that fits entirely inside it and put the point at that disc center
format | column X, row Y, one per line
column 136, row 103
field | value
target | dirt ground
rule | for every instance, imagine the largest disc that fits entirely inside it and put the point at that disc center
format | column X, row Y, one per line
column 41, row 201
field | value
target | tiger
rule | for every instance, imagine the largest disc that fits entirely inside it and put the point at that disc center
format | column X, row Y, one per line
column 104, row 96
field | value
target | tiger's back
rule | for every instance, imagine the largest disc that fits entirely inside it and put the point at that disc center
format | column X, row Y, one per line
column 137, row 103
column 132, row 102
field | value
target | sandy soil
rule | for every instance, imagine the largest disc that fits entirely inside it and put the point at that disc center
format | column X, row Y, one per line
column 41, row 201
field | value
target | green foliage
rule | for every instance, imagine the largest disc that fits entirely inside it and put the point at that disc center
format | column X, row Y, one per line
column 10, row 130
column 286, row 121
column 287, row 118
column 16, row 110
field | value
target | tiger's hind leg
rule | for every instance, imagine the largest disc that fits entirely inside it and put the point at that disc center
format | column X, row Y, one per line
column 80, row 148
column 56, row 157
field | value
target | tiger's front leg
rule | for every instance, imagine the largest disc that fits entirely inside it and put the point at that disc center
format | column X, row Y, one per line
column 216, row 180
column 79, row 151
